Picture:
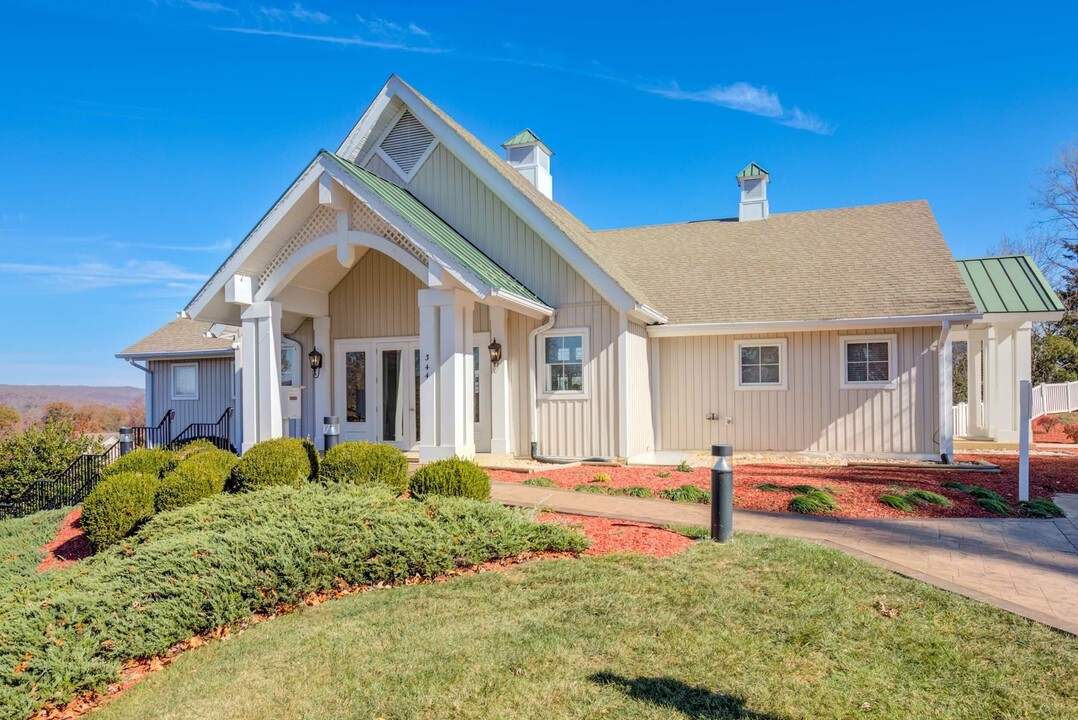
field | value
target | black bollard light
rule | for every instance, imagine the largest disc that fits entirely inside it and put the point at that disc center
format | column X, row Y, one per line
column 331, row 432
column 126, row 443
column 722, row 493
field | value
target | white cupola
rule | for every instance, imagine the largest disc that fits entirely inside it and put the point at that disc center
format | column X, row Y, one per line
column 753, row 181
column 531, row 157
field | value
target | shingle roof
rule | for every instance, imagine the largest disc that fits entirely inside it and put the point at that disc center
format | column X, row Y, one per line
column 860, row 262
column 182, row 336
column 415, row 212
column 1009, row 284
column 564, row 220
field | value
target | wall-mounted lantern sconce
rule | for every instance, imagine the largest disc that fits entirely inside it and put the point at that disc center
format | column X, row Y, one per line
column 495, row 349
column 315, row 358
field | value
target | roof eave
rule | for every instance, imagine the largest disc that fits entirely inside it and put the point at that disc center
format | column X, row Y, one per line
column 735, row 328
column 177, row 354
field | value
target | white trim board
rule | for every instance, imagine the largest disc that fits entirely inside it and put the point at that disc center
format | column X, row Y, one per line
column 691, row 329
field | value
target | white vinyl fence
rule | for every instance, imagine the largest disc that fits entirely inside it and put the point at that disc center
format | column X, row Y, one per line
column 1047, row 400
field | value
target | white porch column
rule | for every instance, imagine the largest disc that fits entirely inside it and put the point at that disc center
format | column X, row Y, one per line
column 1005, row 405
column 976, row 340
column 450, row 311
column 991, row 373
column 500, row 435
column 248, row 389
column 428, row 373
column 946, row 391
column 322, row 399
column 266, row 328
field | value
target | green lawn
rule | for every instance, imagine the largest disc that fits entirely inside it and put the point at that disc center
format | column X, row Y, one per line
column 760, row 628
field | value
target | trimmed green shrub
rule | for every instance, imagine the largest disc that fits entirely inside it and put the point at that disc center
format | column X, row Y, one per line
column 116, row 507
column 600, row 478
column 193, row 447
column 540, row 482
column 282, row 461
column 1041, row 508
column 995, row 506
column 363, row 463
column 816, row 502
column 219, row 561
column 927, row 497
column 199, row 476
column 687, row 494
column 154, row 463
column 898, row 502
column 452, row 477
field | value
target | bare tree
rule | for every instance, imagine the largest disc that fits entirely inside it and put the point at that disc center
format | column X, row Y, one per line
column 1057, row 198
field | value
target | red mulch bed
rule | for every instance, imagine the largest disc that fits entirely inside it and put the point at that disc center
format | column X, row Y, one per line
column 610, row 536
column 1055, row 435
column 69, row 546
column 856, row 490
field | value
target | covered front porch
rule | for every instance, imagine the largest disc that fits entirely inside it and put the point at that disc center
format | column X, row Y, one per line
column 376, row 312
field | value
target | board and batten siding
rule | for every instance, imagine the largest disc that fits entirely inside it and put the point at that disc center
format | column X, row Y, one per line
column 566, row 428
column 215, row 376
column 304, row 336
column 697, row 376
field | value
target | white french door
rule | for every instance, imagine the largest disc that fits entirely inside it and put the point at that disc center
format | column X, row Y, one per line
column 376, row 390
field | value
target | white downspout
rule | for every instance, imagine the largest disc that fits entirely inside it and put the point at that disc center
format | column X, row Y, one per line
column 533, row 372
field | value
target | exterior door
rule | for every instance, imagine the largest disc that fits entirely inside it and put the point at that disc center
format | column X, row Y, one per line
column 481, row 390
column 397, row 402
column 353, row 365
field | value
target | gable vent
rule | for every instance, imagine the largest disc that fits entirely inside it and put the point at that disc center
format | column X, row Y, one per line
column 407, row 143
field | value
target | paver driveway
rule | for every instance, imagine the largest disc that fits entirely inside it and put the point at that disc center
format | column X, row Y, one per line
column 1029, row 567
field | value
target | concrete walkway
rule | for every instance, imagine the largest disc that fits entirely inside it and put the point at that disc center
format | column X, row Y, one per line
column 1028, row 567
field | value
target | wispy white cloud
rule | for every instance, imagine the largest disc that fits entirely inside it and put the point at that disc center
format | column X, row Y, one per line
column 335, row 39
column 63, row 279
column 297, row 12
column 209, row 6
column 745, row 97
column 218, row 246
column 416, row 30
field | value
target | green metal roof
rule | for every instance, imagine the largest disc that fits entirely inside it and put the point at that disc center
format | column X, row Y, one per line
column 419, row 215
column 752, row 170
column 1009, row 284
column 523, row 137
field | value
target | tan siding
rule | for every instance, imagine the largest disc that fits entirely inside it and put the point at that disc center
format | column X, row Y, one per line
column 697, row 376
column 214, row 392
column 641, row 431
column 571, row 428
column 481, row 318
column 304, row 335
column 377, row 298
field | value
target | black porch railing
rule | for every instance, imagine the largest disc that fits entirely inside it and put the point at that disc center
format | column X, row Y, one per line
column 219, row 433
column 145, row 436
column 69, row 488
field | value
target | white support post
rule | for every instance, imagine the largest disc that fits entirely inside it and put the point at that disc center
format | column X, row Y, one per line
column 500, row 393
column 623, row 385
column 268, row 422
column 991, row 384
column 237, row 391
column 974, row 372
column 428, row 378
column 445, row 335
column 946, row 392
column 1025, row 402
column 322, row 398
column 467, row 312
column 248, row 390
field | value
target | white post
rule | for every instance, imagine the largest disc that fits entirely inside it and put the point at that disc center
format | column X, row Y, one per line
column 1025, row 397
column 322, row 397
column 268, row 422
column 467, row 312
column 248, row 390
column 946, row 392
column 500, row 441
column 623, row 385
column 976, row 424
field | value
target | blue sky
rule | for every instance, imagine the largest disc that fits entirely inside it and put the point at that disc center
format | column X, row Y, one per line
column 141, row 140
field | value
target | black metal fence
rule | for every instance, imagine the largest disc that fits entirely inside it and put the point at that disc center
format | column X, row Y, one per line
column 145, row 436
column 219, row 433
column 69, row 488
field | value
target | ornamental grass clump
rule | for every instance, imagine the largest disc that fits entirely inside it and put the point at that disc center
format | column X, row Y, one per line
column 909, row 500
column 995, row 505
column 687, row 494
column 364, row 463
column 153, row 463
column 1041, row 508
column 282, row 461
column 116, row 507
column 898, row 502
column 540, row 482
column 199, row 476
column 219, row 561
column 816, row 502
column 452, row 477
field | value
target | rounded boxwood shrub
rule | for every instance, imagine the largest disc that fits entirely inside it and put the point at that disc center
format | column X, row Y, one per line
column 454, row 477
column 363, row 463
column 116, row 506
column 282, row 461
column 200, row 476
column 155, row 463
column 193, row 447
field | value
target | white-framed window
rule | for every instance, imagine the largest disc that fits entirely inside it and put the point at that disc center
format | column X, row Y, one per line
column 564, row 364
column 184, row 378
column 761, row 364
column 868, row 361
column 290, row 369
